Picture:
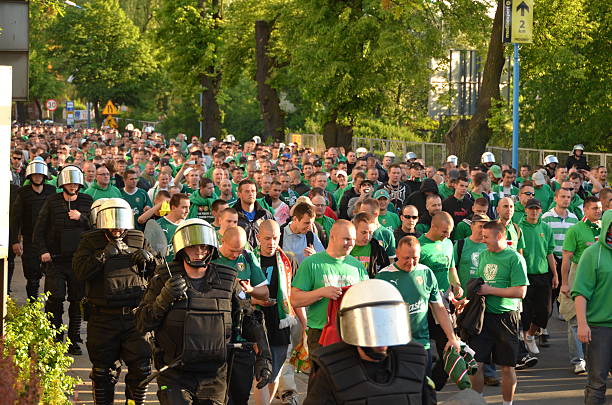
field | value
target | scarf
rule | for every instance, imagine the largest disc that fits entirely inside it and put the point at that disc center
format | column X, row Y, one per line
column 286, row 314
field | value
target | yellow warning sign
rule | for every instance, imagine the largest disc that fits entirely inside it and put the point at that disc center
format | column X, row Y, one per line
column 110, row 122
column 110, row 109
column 522, row 21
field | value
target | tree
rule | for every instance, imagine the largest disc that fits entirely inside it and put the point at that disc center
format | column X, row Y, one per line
column 103, row 52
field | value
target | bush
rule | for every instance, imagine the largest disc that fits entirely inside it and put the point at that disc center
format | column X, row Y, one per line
column 368, row 128
column 40, row 361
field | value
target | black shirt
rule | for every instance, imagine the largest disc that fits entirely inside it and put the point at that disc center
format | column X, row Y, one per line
column 399, row 234
column 276, row 336
column 458, row 209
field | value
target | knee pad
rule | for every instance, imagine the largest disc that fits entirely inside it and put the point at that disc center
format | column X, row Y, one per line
column 104, row 376
column 140, row 370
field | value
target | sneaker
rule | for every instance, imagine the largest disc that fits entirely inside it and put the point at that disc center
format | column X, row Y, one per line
column 491, row 381
column 289, row 398
column 580, row 368
column 74, row 349
column 527, row 361
column 531, row 344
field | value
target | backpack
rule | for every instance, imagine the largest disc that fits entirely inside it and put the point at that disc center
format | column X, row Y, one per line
column 460, row 244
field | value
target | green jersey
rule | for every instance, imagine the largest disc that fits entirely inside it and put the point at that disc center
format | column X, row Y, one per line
column 515, row 241
column 545, row 195
column 289, row 197
column 390, row 220
column 502, row 269
column 594, row 278
column 169, row 228
column 418, row 287
column 559, row 226
column 579, row 237
column 463, row 230
column 326, row 223
column 467, row 264
column 138, row 200
column 438, row 256
column 539, row 243
column 322, row 270
column 386, row 238
column 362, row 253
column 422, row 228
column 445, row 191
column 247, row 266
column 96, row 191
column 339, row 193
column 201, row 207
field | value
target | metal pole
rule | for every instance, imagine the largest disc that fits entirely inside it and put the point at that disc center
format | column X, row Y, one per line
column 201, row 122
column 515, row 108
column 88, row 115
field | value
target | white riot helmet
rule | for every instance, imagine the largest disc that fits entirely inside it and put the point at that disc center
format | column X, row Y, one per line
column 95, row 208
column 550, row 159
column 194, row 232
column 70, row 174
column 410, row 156
column 115, row 213
column 129, row 127
column 230, row 138
column 373, row 314
column 37, row 166
column 487, row 157
column 257, row 139
column 212, row 139
column 578, row 147
column 281, row 146
column 452, row 159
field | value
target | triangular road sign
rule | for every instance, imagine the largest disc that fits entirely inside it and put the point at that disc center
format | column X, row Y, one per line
column 110, row 121
column 110, row 109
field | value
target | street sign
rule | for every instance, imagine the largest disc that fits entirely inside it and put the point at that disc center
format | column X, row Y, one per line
column 70, row 118
column 69, row 105
column 51, row 105
column 110, row 109
column 522, row 21
column 111, row 122
column 507, row 22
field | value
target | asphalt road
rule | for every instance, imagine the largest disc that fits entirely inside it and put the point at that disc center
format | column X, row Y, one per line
column 550, row 382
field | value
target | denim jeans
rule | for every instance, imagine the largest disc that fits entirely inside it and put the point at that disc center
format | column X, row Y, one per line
column 576, row 349
column 599, row 363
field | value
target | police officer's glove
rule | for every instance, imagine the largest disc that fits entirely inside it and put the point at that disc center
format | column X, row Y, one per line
column 142, row 258
column 174, row 289
column 263, row 371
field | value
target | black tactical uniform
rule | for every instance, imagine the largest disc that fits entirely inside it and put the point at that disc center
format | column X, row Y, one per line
column 24, row 212
column 191, row 335
column 340, row 376
column 115, row 284
column 55, row 233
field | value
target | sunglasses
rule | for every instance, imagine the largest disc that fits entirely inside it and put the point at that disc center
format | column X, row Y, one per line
column 16, row 157
column 567, row 188
column 411, row 216
column 529, row 193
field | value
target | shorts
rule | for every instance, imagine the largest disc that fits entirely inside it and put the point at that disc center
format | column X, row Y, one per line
column 498, row 342
column 279, row 355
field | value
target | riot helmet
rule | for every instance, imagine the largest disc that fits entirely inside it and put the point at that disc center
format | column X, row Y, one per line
column 95, row 208
column 194, row 232
column 257, row 139
column 410, row 156
column 374, row 314
column 550, row 159
column 230, row 138
column 487, row 157
column 37, row 166
column 115, row 213
column 70, row 174
column 452, row 159
column 579, row 147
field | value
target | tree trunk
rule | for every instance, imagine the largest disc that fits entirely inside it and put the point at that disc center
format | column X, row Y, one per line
column 335, row 134
column 39, row 109
column 211, row 113
column 21, row 110
column 98, row 114
column 467, row 138
column 269, row 102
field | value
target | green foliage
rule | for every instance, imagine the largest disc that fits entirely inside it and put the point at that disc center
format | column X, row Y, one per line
column 369, row 128
column 30, row 333
column 242, row 115
column 500, row 122
column 103, row 51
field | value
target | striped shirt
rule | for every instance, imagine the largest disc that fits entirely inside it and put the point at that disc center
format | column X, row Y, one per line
column 559, row 226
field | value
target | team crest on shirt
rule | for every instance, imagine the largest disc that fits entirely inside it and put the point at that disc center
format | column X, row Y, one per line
column 240, row 266
column 475, row 259
column 542, row 235
column 202, row 208
column 419, row 280
column 490, row 271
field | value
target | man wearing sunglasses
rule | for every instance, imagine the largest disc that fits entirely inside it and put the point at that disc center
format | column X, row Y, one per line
column 526, row 193
column 409, row 218
column 17, row 172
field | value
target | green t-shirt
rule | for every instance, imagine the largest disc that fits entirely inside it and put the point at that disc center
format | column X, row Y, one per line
column 502, row 270
column 386, row 238
column 545, row 195
column 326, row 223
column 362, row 253
column 322, row 270
column 539, row 243
column 467, row 264
column 248, row 267
column 445, row 191
column 169, row 228
column 390, row 220
column 512, row 235
column 422, row 228
column 339, row 193
column 289, row 197
column 418, row 287
column 579, row 237
column 438, row 256
column 462, row 230
column 138, row 201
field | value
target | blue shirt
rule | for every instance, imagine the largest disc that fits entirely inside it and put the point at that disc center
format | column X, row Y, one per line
column 250, row 215
column 293, row 244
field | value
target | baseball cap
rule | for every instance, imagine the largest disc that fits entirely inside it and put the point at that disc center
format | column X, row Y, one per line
column 381, row 193
column 341, row 173
column 538, row 178
column 480, row 218
column 533, row 203
column 496, row 170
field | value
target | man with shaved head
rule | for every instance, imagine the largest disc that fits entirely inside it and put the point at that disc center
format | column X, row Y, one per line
column 279, row 315
column 321, row 277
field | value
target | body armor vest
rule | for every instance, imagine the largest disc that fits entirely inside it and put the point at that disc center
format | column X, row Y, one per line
column 64, row 234
column 31, row 202
column 351, row 385
column 120, row 284
column 198, row 329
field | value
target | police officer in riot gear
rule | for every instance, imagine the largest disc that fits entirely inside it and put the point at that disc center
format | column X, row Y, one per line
column 191, row 306
column 61, row 221
column 375, row 363
column 114, row 261
column 24, row 212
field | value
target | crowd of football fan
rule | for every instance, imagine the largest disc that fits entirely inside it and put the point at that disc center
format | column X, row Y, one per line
column 482, row 255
